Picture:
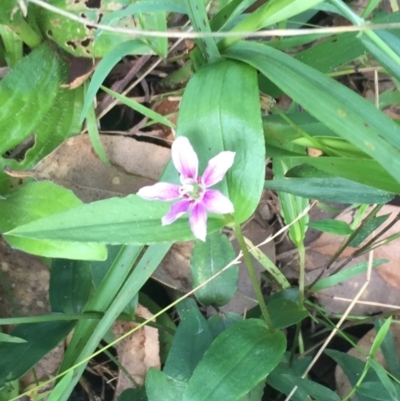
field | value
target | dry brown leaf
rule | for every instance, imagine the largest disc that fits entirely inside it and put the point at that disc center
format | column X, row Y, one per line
column 137, row 352
column 75, row 165
column 385, row 280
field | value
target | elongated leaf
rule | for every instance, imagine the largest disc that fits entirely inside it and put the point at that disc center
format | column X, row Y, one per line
column 160, row 386
column 220, row 111
column 364, row 171
column 41, row 338
column 60, row 387
column 343, row 111
column 385, row 47
column 208, row 258
column 285, row 313
column 130, row 220
column 367, row 229
column 374, row 390
column 26, row 94
column 336, row 227
column 237, row 360
column 6, row 338
column 70, row 285
column 105, row 66
column 221, row 321
column 346, row 274
column 34, row 201
column 191, row 340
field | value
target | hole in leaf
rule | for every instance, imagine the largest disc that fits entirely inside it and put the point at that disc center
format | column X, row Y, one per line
column 93, row 3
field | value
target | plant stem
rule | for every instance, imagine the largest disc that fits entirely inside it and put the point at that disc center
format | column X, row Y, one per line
column 253, row 277
column 302, row 258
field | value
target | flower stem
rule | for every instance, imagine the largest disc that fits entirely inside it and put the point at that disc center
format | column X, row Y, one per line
column 253, row 277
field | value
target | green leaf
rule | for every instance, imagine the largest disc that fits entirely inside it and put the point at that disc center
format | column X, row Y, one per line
column 237, row 360
column 213, row 117
column 336, row 227
column 285, row 313
column 313, row 389
column 384, row 379
column 343, row 111
column 374, row 390
column 129, row 220
column 192, row 339
column 41, row 338
column 140, row 108
column 105, row 66
column 26, row 94
column 199, row 19
column 70, row 285
column 388, row 348
column 367, row 228
column 385, row 47
column 160, row 386
column 208, row 258
column 34, row 201
column 6, row 338
column 221, row 321
column 364, row 171
column 346, row 274
column 330, row 189
column 60, row 387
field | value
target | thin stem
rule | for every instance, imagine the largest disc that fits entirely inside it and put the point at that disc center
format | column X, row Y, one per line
column 348, row 12
column 302, row 258
column 253, row 277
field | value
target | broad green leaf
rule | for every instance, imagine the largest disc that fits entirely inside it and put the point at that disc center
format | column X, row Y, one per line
column 346, row 113
column 208, row 258
column 79, row 39
column 237, row 360
column 345, row 274
column 336, row 227
column 285, row 313
column 133, row 394
column 221, row 321
column 34, row 201
column 220, row 111
column 70, row 285
column 330, row 189
column 191, row 340
column 160, row 386
column 374, row 390
column 313, row 389
column 41, row 338
column 130, row 220
column 60, row 122
column 106, row 65
column 364, row 171
column 256, row 394
column 26, row 94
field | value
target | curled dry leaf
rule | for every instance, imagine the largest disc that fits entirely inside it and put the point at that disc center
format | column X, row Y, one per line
column 75, row 165
column 137, row 352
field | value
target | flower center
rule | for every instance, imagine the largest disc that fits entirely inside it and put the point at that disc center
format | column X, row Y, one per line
column 192, row 190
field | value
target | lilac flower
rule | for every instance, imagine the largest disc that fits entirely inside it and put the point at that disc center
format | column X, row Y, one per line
column 195, row 196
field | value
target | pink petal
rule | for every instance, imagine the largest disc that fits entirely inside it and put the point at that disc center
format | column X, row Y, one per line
column 184, row 158
column 160, row 191
column 217, row 168
column 215, row 202
column 198, row 222
column 177, row 210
